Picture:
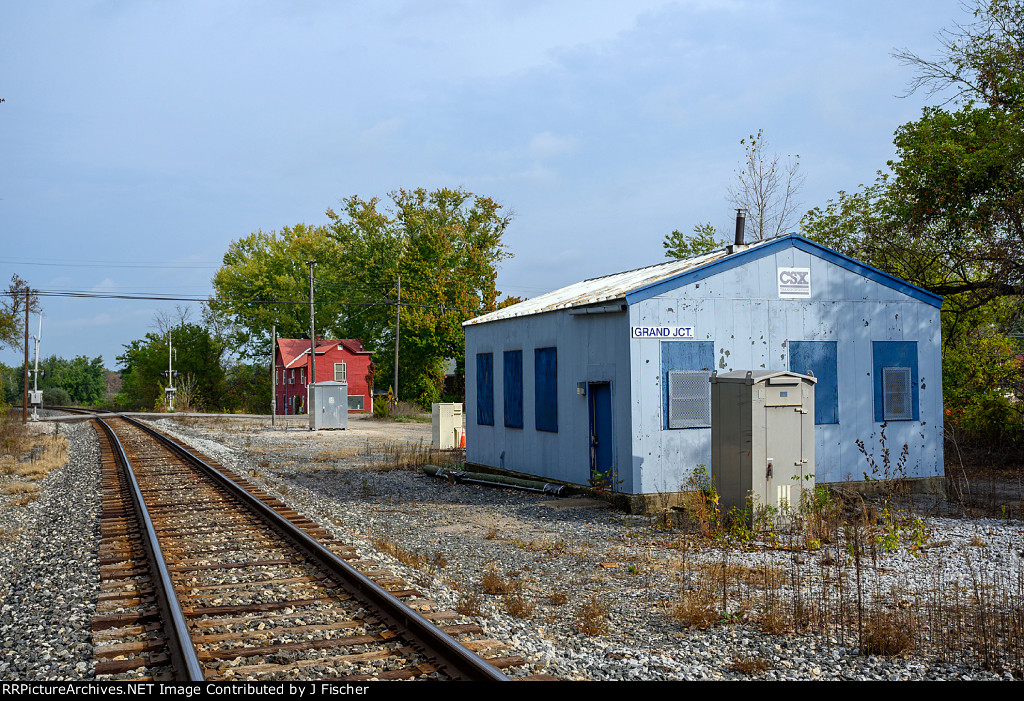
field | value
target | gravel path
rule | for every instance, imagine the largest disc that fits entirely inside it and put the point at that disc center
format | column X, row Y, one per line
column 49, row 573
column 570, row 563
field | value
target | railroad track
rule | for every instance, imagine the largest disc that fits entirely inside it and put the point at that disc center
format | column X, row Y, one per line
column 205, row 576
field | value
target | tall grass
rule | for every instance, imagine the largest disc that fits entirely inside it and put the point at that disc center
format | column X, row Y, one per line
column 835, row 587
column 26, row 457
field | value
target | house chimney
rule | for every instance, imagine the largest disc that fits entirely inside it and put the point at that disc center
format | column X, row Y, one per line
column 741, row 222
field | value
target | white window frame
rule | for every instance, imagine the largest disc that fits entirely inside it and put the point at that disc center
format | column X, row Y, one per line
column 344, row 372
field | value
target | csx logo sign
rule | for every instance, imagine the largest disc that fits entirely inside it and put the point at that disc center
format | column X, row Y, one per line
column 794, row 277
column 794, row 282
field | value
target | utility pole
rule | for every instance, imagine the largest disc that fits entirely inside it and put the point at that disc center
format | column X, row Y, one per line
column 24, row 403
column 312, row 349
column 273, row 377
column 398, row 314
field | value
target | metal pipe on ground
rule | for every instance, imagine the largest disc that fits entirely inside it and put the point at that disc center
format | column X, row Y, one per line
column 460, row 476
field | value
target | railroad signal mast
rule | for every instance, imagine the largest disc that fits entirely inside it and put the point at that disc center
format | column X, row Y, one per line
column 35, row 397
column 169, row 390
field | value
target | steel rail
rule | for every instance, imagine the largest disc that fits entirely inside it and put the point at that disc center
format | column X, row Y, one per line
column 448, row 653
column 183, row 652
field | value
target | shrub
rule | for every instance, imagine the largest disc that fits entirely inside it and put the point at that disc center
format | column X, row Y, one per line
column 981, row 383
column 56, row 396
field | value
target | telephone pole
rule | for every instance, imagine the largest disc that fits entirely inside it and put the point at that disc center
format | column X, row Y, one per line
column 398, row 314
column 273, row 374
column 24, row 403
column 312, row 346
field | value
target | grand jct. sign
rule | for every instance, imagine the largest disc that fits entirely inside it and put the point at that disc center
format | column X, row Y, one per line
column 661, row 332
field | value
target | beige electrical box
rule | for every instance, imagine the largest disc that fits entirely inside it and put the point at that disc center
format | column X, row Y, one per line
column 447, row 425
column 762, row 438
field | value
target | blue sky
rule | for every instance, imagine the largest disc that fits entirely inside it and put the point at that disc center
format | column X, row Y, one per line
column 138, row 139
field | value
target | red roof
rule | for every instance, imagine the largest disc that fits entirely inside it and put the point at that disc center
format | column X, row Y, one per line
column 294, row 349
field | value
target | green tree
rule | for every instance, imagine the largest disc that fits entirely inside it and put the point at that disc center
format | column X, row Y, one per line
column 144, row 364
column 703, row 240
column 12, row 312
column 247, row 388
column 445, row 246
column 948, row 215
column 264, row 281
column 83, row 379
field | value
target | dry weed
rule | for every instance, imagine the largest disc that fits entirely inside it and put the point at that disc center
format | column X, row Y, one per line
column 558, row 598
column 19, row 488
column 592, row 618
column 750, row 664
column 696, row 609
column 493, row 582
column 409, row 558
column 7, row 534
column 516, row 604
column 888, row 634
column 470, row 604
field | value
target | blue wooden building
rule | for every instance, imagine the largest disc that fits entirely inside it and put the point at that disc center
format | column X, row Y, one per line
column 610, row 375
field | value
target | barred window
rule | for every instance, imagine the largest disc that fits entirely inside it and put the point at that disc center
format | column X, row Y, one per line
column 689, row 399
column 686, row 392
column 897, row 397
column 896, row 380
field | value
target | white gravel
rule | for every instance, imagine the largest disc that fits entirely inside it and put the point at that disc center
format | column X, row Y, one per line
column 585, row 549
column 576, row 547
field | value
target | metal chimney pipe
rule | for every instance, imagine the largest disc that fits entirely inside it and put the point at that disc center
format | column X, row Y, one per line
column 741, row 223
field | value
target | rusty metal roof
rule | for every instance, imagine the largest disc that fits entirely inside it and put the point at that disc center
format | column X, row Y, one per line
column 602, row 289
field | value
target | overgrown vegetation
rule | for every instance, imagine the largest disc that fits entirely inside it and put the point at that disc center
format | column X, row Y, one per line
column 26, row 457
column 838, row 541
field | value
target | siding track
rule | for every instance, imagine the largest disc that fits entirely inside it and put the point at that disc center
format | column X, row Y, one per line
column 205, row 576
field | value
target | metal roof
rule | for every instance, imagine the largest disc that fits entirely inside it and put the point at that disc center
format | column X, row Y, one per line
column 635, row 285
column 604, row 289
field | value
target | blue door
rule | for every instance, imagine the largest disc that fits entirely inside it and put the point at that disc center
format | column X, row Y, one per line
column 600, row 402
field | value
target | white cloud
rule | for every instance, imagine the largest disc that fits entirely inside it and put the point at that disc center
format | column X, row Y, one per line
column 107, row 285
column 546, row 145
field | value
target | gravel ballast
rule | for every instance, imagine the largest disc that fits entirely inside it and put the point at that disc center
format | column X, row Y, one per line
column 49, row 572
column 561, row 555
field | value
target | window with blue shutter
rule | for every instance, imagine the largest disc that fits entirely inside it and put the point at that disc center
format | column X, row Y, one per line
column 686, row 368
column 545, row 385
column 485, row 389
column 818, row 358
column 895, row 380
column 513, row 389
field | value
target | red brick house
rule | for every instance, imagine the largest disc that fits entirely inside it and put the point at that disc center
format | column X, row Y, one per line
column 342, row 360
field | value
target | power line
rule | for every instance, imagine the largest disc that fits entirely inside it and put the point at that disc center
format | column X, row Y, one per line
column 105, row 264
column 169, row 298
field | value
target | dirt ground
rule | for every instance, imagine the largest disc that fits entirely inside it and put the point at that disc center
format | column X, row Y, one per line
column 978, row 483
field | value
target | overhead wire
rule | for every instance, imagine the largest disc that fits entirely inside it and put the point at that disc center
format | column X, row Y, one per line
column 194, row 298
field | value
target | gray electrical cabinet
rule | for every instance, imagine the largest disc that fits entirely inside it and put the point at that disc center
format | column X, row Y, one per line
column 762, row 438
column 328, row 404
